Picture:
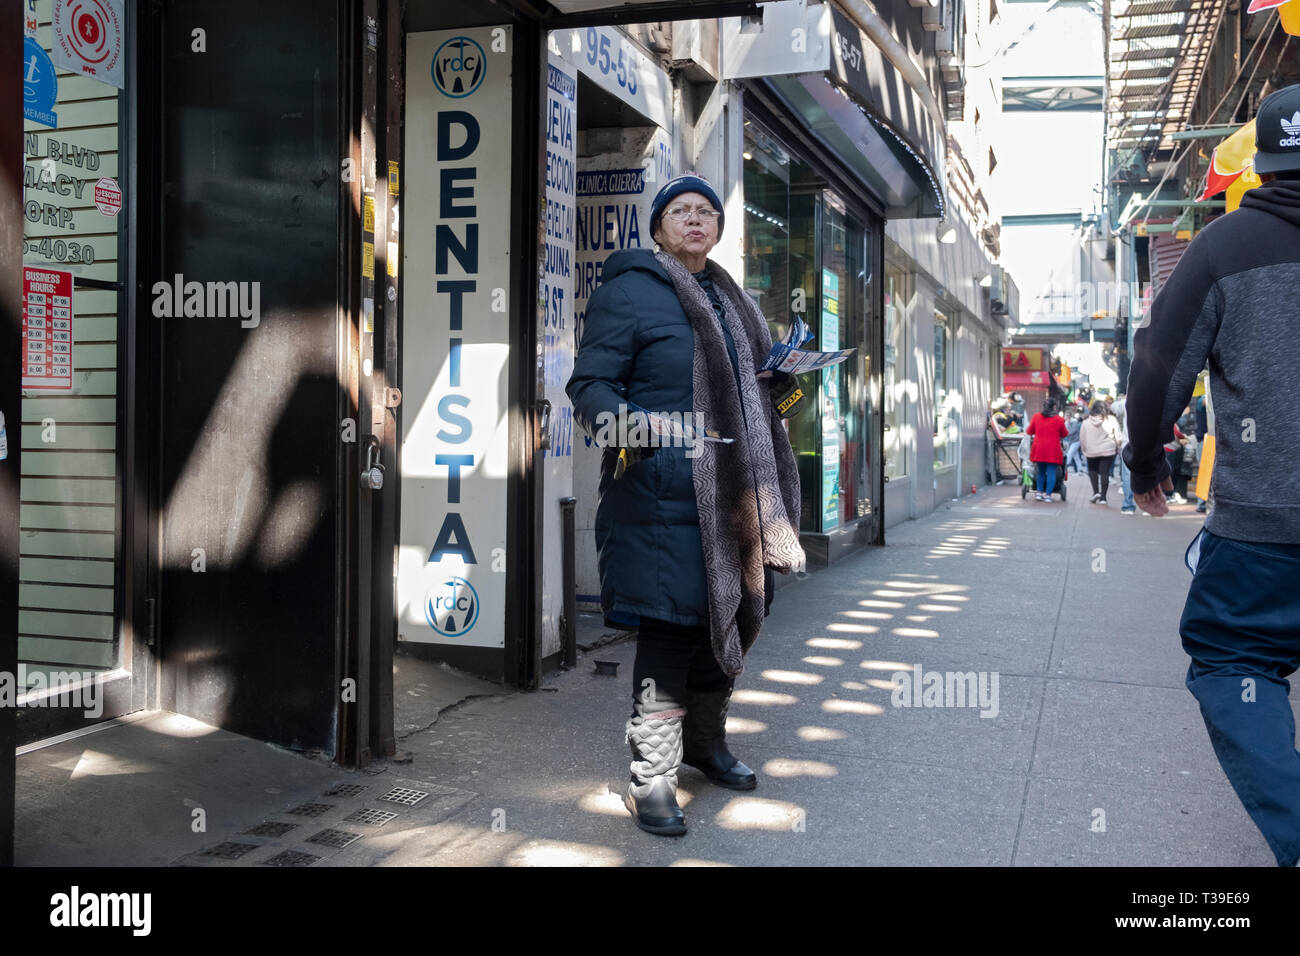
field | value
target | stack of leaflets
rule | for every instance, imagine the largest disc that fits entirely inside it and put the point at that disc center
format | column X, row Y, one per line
column 788, row 355
column 676, row 428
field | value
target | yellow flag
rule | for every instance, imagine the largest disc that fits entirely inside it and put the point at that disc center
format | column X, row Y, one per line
column 1289, row 14
column 1205, row 469
column 1242, row 184
column 1232, row 154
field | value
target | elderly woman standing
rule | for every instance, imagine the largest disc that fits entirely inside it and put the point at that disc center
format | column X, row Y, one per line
column 685, row 537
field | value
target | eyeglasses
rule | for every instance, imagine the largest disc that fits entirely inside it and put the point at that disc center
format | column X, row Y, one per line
column 682, row 213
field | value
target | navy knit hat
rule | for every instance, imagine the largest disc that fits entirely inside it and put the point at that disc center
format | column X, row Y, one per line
column 674, row 188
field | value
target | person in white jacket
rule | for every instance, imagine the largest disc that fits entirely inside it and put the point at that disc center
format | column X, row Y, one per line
column 1099, row 440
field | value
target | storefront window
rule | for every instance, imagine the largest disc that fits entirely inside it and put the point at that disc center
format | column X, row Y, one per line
column 73, row 243
column 781, row 274
column 944, row 426
column 805, row 252
column 897, row 386
column 846, row 493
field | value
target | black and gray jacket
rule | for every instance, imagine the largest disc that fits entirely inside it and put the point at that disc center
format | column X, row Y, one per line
column 1234, row 300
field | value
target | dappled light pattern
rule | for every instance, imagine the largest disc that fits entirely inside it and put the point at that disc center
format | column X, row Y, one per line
column 819, row 734
column 786, row 768
column 555, row 853
column 755, row 813
column 969, row 537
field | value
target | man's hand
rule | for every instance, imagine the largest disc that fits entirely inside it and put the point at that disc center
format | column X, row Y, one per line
column 1153, row 501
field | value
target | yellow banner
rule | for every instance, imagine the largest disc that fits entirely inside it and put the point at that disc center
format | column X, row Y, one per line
column 1206, row 468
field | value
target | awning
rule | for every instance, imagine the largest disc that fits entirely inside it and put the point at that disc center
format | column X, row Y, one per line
column 850, row 97
column 1013, row 380
column 570, row 12
column 903, row 183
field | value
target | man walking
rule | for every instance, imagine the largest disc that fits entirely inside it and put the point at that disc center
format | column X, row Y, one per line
column 1231, row 301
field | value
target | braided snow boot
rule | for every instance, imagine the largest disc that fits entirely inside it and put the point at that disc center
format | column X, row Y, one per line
column 655, row 736
column 705, row 743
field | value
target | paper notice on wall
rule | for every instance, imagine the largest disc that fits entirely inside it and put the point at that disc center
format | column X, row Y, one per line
column 88, row 39
column 47, row 329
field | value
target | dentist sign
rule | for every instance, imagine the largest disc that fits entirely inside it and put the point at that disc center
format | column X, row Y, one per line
column 455, row 343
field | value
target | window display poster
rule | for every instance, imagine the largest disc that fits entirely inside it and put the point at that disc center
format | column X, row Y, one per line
column 830, row 341
column 47, row 329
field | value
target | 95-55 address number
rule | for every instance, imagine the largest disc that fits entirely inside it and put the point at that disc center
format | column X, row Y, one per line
column 602, row 58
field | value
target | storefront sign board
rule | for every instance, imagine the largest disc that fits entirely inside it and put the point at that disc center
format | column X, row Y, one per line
column 829, row 341
column 456, row 346
column 88, row 39
column 47, row 329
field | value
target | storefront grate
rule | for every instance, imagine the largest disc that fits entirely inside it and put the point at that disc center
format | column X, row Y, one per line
column 271, row 828
column 345, row 790
column 405, row 796
column 335, row 838
column 311, row 809
column 229, row 850
column 372, row 817
column 292, row 858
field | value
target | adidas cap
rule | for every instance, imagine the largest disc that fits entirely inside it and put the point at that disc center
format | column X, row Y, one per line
column 1277, row 132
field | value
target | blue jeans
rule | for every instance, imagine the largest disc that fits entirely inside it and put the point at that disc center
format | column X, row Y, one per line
column 1241, row 628
column 1126, row 480
column 1045, row 480
column 1074, row 456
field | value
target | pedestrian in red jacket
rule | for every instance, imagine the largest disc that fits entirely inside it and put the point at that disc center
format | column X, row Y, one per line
column 1048, row 429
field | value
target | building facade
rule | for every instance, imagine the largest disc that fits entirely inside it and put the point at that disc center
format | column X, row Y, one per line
column 303, row 407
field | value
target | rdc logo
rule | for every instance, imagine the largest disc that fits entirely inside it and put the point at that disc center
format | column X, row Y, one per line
column 458, row 67
column 451, row 607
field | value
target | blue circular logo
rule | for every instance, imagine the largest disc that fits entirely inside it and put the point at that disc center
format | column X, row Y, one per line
column 458, row 67
column 40, row 84
column 451, row 606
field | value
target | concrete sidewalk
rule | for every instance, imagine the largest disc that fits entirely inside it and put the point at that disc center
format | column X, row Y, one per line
column 1096, row 754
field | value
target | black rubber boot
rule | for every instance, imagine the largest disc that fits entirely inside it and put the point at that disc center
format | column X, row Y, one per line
column 705, row 741
column 655, row 736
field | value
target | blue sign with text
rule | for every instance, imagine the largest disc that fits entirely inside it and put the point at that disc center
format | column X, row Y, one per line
column 40, row 85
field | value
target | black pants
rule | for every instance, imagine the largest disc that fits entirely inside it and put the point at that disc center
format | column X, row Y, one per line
column 1175, row 459
column 679, row 658
column 1099, row 473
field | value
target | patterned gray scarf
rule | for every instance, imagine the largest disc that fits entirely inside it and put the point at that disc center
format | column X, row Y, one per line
column 747, row 492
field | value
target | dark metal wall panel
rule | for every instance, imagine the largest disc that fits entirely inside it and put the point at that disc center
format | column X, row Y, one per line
column 250, row 416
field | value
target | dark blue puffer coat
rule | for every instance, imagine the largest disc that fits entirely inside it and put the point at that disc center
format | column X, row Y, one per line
column 637, row 346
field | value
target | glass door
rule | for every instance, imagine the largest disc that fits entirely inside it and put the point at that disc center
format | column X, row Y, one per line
column 848, row 453
column 74, row 664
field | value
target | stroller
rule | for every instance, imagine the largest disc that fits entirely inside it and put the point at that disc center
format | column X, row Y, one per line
column 1029, row 471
